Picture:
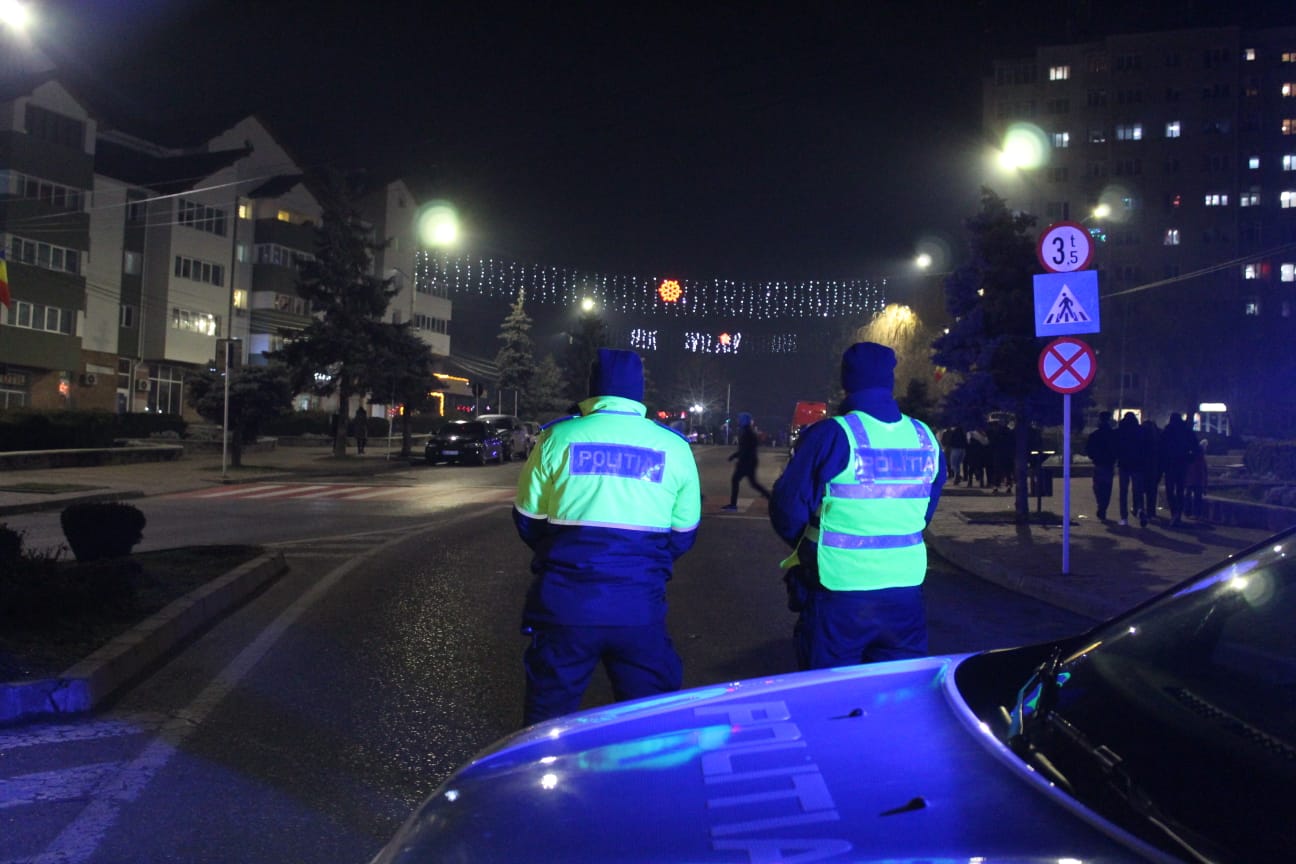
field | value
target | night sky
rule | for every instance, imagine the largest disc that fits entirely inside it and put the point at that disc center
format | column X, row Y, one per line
column 751, row 141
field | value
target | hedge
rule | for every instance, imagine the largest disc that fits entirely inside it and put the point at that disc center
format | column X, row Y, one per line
column 1271, row 458
column 26, row 429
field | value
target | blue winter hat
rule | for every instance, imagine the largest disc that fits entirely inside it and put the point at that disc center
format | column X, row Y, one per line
column 868, row 365
column 744, row 419
column 617, row 373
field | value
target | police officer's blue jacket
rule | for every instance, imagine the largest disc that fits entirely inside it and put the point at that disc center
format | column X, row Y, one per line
column 824, row 452
column 607, row 501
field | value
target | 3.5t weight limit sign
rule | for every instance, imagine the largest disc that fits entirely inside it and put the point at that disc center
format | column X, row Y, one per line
column 1065, row 247
column 1067, row 365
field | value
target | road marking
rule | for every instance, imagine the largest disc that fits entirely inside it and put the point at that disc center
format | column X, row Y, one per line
column 134, row 724
column 79, row 840
column 48, row 787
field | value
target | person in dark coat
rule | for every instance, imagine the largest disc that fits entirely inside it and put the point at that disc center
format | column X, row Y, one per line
column 1101, row 450
column 1195, row 483
column 748, row 445
column 954, row 440
column 1129, row 464
column 1178, row 448
column 977, row 460
column 1150, row 444
column 1001, row 456
column 360, row 429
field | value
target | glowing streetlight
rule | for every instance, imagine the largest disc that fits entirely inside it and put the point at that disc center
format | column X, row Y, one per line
column 587, row 304
column 1102, row 211
column 923, row 261
column 437, row 224
column 14, row 15
column 1025, row 147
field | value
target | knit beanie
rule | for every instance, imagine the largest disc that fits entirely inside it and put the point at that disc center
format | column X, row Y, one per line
column 617, row 373
column 868, row 365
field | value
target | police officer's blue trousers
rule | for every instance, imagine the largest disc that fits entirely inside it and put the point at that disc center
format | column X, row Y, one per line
column 560, row 660
column 842, row 628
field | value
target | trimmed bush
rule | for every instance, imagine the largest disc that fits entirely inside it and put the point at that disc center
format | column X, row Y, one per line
column 11, row 543
column 1276, row 459
column 102, row 529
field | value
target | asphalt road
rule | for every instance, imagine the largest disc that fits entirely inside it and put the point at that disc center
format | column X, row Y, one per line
column 307, row 725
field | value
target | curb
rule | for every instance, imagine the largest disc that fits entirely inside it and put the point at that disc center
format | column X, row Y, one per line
column 87, row 684
column 60, row 503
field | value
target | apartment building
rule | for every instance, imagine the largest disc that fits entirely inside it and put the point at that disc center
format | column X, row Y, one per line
column 130, row 262
column 1177, row 150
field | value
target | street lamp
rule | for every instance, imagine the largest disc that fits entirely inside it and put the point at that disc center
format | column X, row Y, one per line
column 14, row 15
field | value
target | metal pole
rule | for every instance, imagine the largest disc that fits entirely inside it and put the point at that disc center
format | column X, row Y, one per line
column 391, row 419
column 1066, row 483
column 225, row 422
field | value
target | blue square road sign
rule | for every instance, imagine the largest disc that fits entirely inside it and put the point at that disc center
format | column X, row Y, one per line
column 1066, row 303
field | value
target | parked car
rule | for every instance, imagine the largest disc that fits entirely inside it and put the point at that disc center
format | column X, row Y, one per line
column 512, row 431
column 1166, row 734
column 465, row 441
column 533, row 433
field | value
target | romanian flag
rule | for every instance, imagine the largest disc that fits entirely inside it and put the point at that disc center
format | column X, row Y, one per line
column 4, row 282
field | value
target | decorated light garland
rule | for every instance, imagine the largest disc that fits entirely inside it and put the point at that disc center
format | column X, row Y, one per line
column 650, row 295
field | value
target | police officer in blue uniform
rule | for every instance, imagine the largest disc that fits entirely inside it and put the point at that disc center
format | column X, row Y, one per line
column 853, row 503
column 607, row 501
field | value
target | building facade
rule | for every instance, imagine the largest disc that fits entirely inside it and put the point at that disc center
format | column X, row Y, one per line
column 131, row 263
column 1177, row 150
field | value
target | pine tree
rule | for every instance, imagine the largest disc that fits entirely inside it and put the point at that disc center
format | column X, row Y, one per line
column 256, row 393
column 991, row 344
column 546, row 397
column 335, row 352
column 516, row 358
column 582, row 351
column 406, row 370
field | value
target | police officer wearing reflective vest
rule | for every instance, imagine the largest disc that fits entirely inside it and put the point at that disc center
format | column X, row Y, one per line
column 853, row 503
column 607, row 501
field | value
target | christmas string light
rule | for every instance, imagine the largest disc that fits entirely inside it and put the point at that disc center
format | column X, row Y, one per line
column 648, row 295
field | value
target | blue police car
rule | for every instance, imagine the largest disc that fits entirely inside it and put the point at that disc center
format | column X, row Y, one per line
column 1167, row 734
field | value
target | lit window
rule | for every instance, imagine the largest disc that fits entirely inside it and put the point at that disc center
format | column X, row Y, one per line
column 1059, row 73
column 1172, row 129
column 1287, row 272
column 1288, row 89
column 1097, row 136
column 1252, row 306
column 1171, row 237
column 1253, row 163
column 1249, row 54
column 1289, row 162
column 1287, row 199
column 1249, row 199
column 1061, row 140
column 1250, row 271
column 240, row 298
column 1217, row 200
column 283, row 216
column 1129, row 132
column 1288, row 57
column 244, row 211
column 1289, row 126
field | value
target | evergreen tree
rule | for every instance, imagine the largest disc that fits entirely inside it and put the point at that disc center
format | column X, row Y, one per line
column 256, row 393
column 406, row 370
column 546, row 397
column 335, row 352
column 516, row 358
column 991, row 345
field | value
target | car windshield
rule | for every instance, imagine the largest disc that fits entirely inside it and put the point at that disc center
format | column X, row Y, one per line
column 467, row 430
column 1177, row 720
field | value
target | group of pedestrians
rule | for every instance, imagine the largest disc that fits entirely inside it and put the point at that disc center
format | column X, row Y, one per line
column 1135, row 457
column 609, row 500
column 982, row 458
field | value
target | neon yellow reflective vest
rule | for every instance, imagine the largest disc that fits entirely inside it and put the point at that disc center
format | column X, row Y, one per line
column 869, row 527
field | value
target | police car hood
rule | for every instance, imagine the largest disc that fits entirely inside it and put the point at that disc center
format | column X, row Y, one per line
column 875, row 763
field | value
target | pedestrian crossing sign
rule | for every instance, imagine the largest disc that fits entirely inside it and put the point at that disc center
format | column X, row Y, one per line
column 1066, row 303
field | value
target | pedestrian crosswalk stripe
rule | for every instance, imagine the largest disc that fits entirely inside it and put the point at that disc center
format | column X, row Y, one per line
column 1066, row 309
column 44, row 787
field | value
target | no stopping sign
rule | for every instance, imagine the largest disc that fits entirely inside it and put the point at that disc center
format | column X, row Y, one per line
column 1067, row 365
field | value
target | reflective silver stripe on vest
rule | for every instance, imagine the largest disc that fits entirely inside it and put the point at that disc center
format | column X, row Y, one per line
column 917, row 486
column 837, row 540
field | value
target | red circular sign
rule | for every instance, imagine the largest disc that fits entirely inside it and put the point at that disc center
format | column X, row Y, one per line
column 1067, row 365
column 1065, row 247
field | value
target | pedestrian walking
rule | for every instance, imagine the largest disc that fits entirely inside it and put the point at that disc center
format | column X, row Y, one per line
column 1177, row 450
column 1129, row 465
column 853, row 503
column 607, row 501
column 746, row 456
column 1101, row 450
column 1001, row 456
column 1150, row 441
column 1195, row 483
column 360, row 430
column 977, row 458
column 955, row 441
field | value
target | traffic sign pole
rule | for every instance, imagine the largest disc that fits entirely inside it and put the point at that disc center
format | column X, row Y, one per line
column 1066, row 484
